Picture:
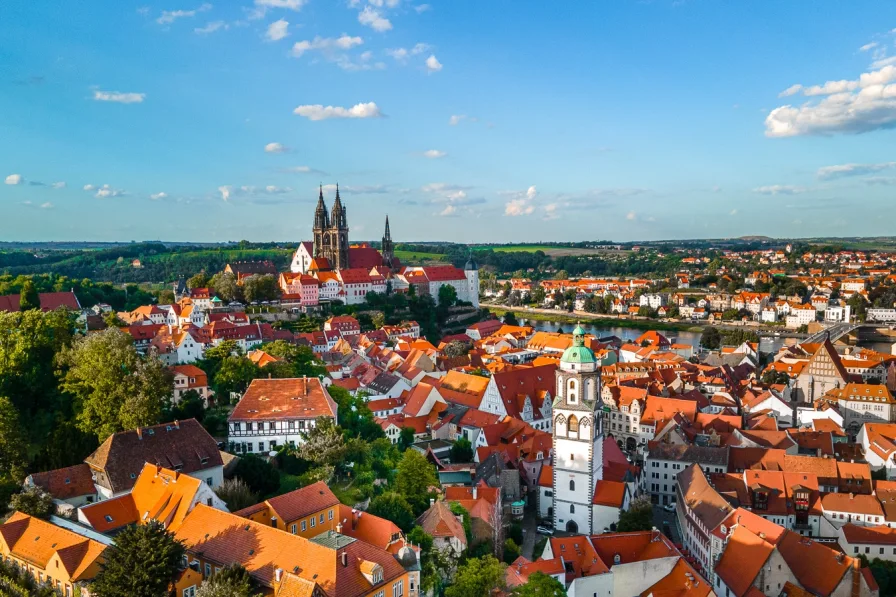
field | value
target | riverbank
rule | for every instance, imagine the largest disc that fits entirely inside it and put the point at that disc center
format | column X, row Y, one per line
column 598, row 320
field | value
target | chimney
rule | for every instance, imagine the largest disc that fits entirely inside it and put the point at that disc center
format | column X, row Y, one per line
column 176, row 424
column 139, row 433
column 344, row 559
column 278, row 574
column 432, row 502
column 339, row 527
column 158, row 469
column 475, row 492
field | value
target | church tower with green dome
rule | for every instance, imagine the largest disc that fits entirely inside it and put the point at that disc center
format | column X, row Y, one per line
column 578, row 436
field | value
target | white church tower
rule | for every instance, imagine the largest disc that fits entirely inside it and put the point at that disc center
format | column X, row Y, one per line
column 578, row 436
column 471, row 273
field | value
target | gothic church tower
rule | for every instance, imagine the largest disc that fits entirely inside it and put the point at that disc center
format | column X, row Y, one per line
column 578, row 436
column 331, row 232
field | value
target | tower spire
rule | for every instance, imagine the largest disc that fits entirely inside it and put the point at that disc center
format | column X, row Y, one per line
column 388, row 235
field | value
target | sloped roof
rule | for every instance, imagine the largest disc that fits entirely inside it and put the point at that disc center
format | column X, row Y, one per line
column 49, row 301
column 439, row 521
column 185, row 444
column 743, row 558
column 66, row 483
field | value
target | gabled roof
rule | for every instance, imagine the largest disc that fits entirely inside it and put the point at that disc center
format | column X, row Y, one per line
column 743, row 558
column 181, row 444
column 66, row 483
column 36, row 541
column 439, row 522
column 303, row 502
column 49, row 301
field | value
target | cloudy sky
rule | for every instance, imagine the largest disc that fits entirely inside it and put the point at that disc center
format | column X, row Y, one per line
column 464, row 120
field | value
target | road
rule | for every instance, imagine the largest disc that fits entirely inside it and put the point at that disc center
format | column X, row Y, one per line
column 660, row 517
column 530, row 537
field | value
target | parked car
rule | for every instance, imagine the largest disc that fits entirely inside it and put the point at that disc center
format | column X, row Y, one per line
column 544, row 531
column 669, row 507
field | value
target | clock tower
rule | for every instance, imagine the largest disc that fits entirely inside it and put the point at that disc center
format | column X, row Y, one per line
column 578, row 436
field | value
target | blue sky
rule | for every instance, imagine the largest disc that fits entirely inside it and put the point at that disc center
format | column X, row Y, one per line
column 464, row 120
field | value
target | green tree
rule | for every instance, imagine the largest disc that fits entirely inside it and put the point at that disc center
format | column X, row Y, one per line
column 112, row 320
column 300, row 359
column 462, row 451
column 18, row 582
column 378, row 320
column 261, row 288
column 416, row 479
column 199, row 280
column 447, row 295
column 225, row 287
column 33, row 501
column 13, row 444
column 561, row 275
column 510, row 318
column 354, row 415
column 405, row 438
column 114, row 387
column 190, row 406
column 323, row 444
column 236, row 494
column 393, row 506
column 539, row 584
column 511, row 551
column 234, row 376
column 142, row 563
column 638, row 517
column 29, row 298
column 66, row 445
column 230, row 581
column 477, row 576
column 166, row 297
column 258, row 474
column 710, row 338
column 538, row 294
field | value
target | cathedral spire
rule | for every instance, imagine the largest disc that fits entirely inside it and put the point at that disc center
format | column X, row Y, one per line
column 388, row 235
column 337, row 218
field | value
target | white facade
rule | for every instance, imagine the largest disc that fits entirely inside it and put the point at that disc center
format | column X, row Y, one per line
column 578, row 437
column 654, row 301
column 301, row 259
column 264, row 436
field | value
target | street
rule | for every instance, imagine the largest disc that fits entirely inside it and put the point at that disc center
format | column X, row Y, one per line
column 660, row 517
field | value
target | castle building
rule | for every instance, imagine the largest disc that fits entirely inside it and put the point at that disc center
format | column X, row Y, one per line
column 578, row 438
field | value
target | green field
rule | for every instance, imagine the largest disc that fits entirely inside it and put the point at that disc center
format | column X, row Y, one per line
column 417, row 256
column 515, row 248
column 550, row 250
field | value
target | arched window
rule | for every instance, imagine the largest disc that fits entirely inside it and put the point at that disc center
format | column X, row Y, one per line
column 572, row 484
column 572, row 508
column 572, row 394
column 573, row 425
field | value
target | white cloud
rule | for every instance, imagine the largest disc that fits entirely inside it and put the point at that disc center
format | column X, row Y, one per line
column 89, row 187
column 225, row 192
column 733, row 212
column 119, row 97
column 15, row 179
column 58, row 185
column 169, row 16
column 550, row 211
column 780, row 189
column 844, row 170
column 212, row 27
column 372, row 18
column 443, row 187
column 302, row 170
column 631, row 216
column 849, row 106
column 46, row 205
column 420, row 8
column 157, row 196
column 456, row 119
column 792, row 90
column 319, row 112
column 230, row 191
column 868, row 46
column 449, row 210
column 521, row 203
column 275, row 148
column 399, row 54
column 277, row 30
column 326, row 44
column 106, row 191
column 290, row 4
column 432, row 64
column 434, row 154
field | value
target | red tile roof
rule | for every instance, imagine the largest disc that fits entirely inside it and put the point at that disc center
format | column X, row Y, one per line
column 288, row 398
column 66, row 483
column 49, row 301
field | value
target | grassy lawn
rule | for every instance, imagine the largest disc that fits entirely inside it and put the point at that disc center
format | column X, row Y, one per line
column 515, row 248
column 416, row 257
column 347, row 493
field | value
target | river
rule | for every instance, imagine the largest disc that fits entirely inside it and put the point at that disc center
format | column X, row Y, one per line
column 767, row 344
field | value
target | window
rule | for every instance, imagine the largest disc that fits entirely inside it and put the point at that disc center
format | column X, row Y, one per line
column 312, row 522
column 261, row 446
column 572, row 508
column 572, row 484
column 304, row 526
column 321, row 518
column 208, row 481
column 573, row 424
column 190, row 591
column 292, row 528
column 208, row 570
column 398, row 589
column 330, row 515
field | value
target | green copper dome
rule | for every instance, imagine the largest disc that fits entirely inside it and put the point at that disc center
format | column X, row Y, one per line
column 578, row 352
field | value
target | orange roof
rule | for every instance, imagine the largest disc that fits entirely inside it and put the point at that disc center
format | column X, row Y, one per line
column 742, row 560
column 66, row 483
column 223, row 538
column 368, row 528
column 302, row 502
column 881, row 535
column 36, row 541
column 817, row 567
column 291, row 398
column 852, row 503
column 159, row 494
column 439, row 521
column 609, row 493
